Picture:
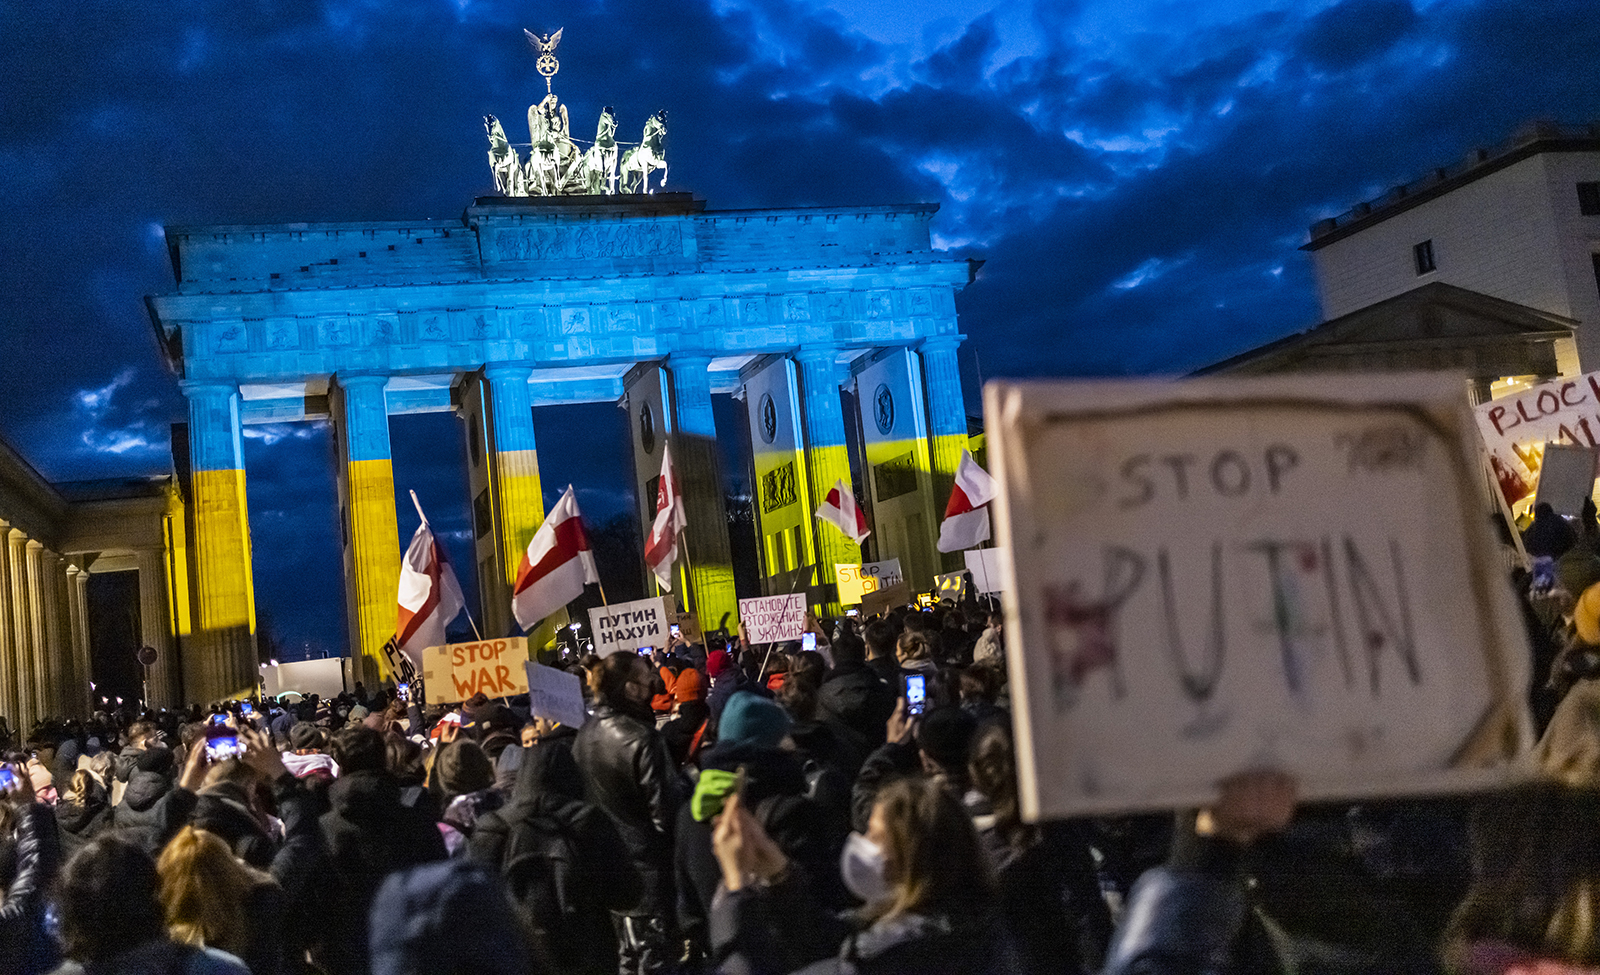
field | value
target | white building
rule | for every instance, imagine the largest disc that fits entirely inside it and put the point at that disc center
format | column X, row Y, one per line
column 1520, row 222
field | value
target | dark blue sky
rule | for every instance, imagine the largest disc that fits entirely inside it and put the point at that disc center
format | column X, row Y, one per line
column 1138, row 175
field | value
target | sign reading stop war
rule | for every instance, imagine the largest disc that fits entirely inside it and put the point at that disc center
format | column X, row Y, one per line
column 1220, row 575
column 774, row 619
column 629, row 626
column 1515, row 428
column 459, row 671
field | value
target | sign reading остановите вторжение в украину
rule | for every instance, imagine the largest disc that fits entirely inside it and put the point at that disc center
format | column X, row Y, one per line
column 1220, row 575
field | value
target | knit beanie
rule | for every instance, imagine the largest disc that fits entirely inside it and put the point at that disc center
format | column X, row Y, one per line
column 749, row 719
column 305, row 736
column 1586, row 615
column 464, row 767
column 1578, row 570
column 718, row 662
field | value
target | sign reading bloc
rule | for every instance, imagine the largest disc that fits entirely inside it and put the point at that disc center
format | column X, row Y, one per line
column 856, row 581
column 458, row 671
column 774, row 619
column 556, row 695
column 1219, row 575
column 629, row 626
column 1515, row 428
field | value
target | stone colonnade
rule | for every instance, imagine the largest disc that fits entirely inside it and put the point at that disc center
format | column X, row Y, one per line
column 44, row 632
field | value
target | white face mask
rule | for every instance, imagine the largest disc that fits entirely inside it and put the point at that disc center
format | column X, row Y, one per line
column 862, row 866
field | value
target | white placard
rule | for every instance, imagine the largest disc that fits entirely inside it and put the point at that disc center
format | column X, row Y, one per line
column 773, row 619
column 1515, row 428
column 629, row 626
column 556, row 695
column 1219, row 575
column 1566, row 477
column 985, row 566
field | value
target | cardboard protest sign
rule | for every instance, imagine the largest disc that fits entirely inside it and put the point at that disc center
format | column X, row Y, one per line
column 856, row 581
column 629, row 626
column 883, row 600
column 773, row 619
column 984, row 564
column 458, row 671
column 689, row 628
column 556, row 695
column 1515, row 428
column 950, row 585
column 1219, row 575
column 1566, row 477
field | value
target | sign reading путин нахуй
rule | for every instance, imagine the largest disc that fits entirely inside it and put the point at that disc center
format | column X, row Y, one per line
column 1214, row 576
column 631, row 626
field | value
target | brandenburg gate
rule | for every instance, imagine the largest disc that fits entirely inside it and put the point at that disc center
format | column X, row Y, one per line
column 647, row 300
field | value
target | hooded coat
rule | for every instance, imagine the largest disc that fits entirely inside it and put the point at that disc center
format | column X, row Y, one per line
column 368, row 833
column 548, row 793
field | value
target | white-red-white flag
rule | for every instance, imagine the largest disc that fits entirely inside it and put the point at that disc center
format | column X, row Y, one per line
column 430, row 596
column 966, row 517
column 661, row 549
column 840, row 510
column 556, row 566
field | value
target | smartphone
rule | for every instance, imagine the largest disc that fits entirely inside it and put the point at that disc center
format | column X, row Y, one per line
column 916, row 694
column 8, row 778
column 676, row 629
column 852, row 612
column 646, row 651
column 223, row 747
column 808, row 641
column 245, row 708
column 403, row 691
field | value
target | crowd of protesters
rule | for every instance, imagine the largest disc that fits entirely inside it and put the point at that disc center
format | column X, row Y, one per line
column 757, row 809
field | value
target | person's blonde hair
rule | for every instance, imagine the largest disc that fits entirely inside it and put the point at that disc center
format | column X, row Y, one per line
column 933, row 858
column 202, row 891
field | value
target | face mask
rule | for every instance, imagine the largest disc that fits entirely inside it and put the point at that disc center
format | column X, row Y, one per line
column 861, row 864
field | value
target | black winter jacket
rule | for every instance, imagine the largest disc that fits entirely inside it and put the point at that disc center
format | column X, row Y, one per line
column 25, row 947
column 627, row 773
column 368, row 834
column 549, row 792
column 775, row 791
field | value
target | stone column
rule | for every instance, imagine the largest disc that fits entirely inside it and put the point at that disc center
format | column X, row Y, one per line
column 947, row 425
column 371, row 532
column 220, row 659
column 827, row 458
column 81, row 694
column 21, row 631
column 58, row 635
column 8, row 643
column 155, row 628
column 514, row 503
column 703, row 548
column 38, row 630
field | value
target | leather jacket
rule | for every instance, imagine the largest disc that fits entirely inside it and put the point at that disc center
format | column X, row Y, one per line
column 628, row 773
column 25, row 947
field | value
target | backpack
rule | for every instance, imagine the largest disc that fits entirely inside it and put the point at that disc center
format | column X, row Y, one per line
column 545, row 877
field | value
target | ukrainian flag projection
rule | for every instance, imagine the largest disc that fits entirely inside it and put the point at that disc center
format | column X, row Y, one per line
column 222, row 654
column 782, row 492
column 894, row 438
column 372, row 540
